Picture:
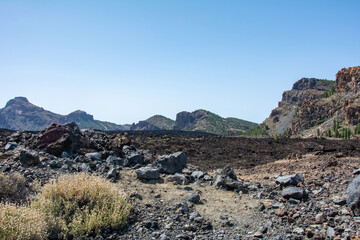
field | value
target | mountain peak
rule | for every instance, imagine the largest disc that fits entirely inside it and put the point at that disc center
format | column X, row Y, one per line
column 17, row 100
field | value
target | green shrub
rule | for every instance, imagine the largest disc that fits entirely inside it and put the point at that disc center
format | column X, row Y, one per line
column 81, row 205
column 21, row 222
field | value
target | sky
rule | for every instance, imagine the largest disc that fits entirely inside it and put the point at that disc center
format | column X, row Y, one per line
column 124, row 61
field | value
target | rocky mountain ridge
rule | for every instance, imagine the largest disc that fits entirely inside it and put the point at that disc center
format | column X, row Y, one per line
column 317, row 107
column 20, row 114
column 199, row 120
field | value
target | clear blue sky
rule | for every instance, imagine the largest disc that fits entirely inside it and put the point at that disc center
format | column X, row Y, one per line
column 124, row 61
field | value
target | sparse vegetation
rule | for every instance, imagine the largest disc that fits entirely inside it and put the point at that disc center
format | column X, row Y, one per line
column 330, row 92
column 260, row 130
column 13, row 188
column 21, row 222
column 80, row 205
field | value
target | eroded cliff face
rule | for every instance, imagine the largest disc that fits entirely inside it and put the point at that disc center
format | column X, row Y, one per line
column 348, row 80
column 304, row 90
column 313, row 105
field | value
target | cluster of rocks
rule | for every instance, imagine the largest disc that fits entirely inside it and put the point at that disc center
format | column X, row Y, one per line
column 291, row 208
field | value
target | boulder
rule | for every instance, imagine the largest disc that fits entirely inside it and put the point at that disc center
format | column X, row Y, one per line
column 226, row 178
column 178, row 178
column 293, row 192
column 58, row 138
column 112, row 174
column 148, row 173
column 29, row 158
column 10, row 146
column 353, row 195
column 194, row 198
column 197, row 174
column 290, row 180
column 95, row 156
column 173, row 163
column 134, row 159
column 115, row 161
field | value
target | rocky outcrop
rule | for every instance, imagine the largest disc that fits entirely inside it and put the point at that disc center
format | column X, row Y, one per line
column 312, row 105
column 303, row 91
column 20, row 114
column 156, row 122
column 348, row 80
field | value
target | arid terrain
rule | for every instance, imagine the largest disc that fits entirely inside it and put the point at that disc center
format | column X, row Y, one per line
column 206, row 199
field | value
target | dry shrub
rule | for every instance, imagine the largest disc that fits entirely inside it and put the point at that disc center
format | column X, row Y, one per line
column 21, row 222
column 81, row 205
column 13, row 188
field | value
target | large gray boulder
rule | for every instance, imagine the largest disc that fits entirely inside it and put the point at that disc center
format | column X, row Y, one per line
column 353, row 195
column 290, row 180
column 171, row 164
column 293, row 192
column 148, row 173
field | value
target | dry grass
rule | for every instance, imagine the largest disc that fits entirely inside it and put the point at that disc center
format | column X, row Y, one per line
column 81, row 205
column 21, row 222
column 13, row 188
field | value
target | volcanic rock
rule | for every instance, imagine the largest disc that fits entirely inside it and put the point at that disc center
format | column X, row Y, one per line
column 293, row 192
column 173, row 163
column 353, row 195
column 29, row 158
column 290, row 180
column 148, row 173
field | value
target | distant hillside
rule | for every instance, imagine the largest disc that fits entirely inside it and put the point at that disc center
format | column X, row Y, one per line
column 202, row 120
column 20, row 114
column 199, row 120
column 156, row 122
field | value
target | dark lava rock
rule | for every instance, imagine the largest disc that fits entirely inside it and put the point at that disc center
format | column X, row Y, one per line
column 95, row 156
column 148, row 173
column 178, row 179
column 57, row 139
column 194, row 198
column 134, row 159
column 293, row 192
column 290, row 180
column 171, row 164
column 10, row 146
column 353, row 195
column 29, row 158
column 112, row 174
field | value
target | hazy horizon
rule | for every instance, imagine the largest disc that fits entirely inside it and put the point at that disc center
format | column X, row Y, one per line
column 125, row 61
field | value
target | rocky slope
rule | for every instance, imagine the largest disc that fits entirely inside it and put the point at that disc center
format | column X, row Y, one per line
column 314, row 107
column 20, row 114
column 156, row 122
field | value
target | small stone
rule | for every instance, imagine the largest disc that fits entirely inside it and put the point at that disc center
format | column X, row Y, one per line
column 299, row 231
column 330, row 232
column 293, row 192
column 280, row 212
column 112, row 174
column 320, row 218
column 10, row 146
column 263, row 229
column 258, row 234
column 194, row 198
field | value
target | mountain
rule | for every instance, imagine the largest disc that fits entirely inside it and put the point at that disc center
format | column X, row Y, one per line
column 319, row 107
column 156, row 122
column 199, row 120
column 20, row 114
